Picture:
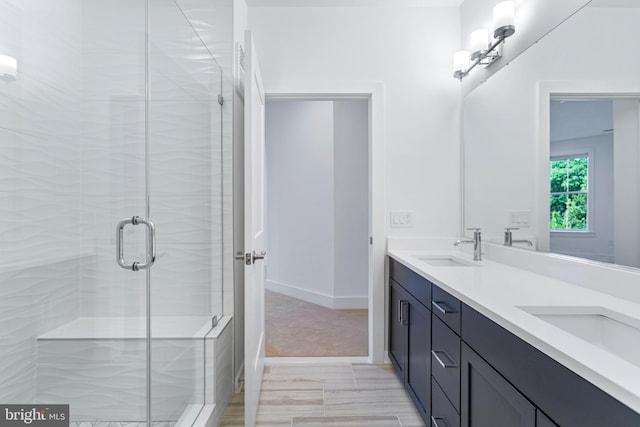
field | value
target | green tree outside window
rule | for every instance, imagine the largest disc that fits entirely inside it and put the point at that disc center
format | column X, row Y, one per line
column 569, row 193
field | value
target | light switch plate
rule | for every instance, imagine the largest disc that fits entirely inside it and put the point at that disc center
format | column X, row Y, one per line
column 401, row 219
column 520, row 219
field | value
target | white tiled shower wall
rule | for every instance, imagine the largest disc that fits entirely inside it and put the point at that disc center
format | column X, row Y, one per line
column 72, row 133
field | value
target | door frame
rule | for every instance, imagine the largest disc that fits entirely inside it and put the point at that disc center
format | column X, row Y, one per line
column 374, row 93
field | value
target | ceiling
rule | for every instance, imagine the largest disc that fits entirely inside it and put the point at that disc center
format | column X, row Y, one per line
column 579, row 118
column 353, row 3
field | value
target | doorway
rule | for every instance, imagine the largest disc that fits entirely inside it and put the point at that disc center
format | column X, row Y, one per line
column 318, row 227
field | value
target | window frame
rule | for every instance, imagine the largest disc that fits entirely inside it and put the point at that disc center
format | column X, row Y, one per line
column 589, row 153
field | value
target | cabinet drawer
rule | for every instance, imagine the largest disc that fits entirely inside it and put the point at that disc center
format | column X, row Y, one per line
column 446, row 307
column 443, row 414
column 445, row 360
column 415, row 284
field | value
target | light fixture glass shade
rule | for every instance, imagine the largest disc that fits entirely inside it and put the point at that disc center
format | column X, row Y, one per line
column 478, row 42
column 461, row 61
column 8, row 67
column 504, row 15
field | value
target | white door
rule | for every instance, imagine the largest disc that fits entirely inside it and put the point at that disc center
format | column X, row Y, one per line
column 254, row 230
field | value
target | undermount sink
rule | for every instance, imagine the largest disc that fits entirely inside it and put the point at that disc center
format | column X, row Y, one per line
column 608, row 330
column 444, row 261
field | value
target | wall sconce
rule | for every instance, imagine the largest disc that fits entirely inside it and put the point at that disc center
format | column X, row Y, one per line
column 8, row 68
column 481, row 50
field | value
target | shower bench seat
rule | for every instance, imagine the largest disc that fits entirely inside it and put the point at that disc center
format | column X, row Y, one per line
column 98, row 364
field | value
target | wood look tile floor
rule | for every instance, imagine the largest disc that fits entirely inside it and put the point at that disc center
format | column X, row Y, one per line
column 336, row 395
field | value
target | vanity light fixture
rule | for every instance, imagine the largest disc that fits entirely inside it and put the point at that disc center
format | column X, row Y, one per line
column 8, row 68
column 482, row 50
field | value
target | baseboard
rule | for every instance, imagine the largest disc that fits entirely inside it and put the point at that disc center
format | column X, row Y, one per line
column 358, row 360
column 328, row 301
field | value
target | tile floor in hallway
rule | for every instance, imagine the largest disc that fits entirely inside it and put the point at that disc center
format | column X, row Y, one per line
column 336, row 395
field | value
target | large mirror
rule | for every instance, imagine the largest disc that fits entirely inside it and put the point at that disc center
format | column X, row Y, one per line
column 552, row 141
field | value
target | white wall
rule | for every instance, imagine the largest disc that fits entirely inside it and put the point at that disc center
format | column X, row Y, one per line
column 598, row 243
column 299, row 161
column 317, row 201
column 626, row 121
column 351, row 201
column 409, row 50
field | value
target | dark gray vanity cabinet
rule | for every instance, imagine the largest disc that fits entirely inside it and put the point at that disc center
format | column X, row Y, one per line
column 418, row 379
column 397, row 327
column 557, row 392
column 410, row 333
column 543, row 421
column 463, row 369
column 488, row 400
column 445, row 359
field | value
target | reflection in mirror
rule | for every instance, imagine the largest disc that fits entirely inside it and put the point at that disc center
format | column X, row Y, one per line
column 581, row 179
column 559, row 108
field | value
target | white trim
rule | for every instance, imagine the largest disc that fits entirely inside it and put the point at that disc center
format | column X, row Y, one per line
column 374, row 91
column 565, row 89
column 328, row 301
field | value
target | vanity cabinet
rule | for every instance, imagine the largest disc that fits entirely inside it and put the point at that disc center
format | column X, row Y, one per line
column 410, row 333
column 488, row 400
column 397, row 327
column 463, row 369
column 543, row 421
column 558, row 393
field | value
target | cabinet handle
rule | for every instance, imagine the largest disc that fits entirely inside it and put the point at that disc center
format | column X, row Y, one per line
column 442, row 307
column 451, row 363
column 403, row 312
column 435, row 423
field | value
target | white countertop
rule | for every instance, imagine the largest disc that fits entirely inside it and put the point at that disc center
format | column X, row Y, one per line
column 497, row 290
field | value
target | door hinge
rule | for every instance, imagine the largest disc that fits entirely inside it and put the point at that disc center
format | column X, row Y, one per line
column 371, row 240
column 220, row 99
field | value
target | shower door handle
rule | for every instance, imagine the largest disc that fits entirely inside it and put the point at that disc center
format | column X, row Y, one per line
column 151, row 243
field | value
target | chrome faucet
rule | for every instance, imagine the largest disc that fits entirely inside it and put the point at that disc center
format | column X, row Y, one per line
column 477, row 243
column 508, row 237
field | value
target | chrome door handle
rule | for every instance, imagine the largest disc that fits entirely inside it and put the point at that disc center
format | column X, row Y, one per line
column 258, row 256
column 151, row 243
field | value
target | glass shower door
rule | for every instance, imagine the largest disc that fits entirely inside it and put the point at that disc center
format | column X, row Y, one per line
column 185, row 182
column 104, row 354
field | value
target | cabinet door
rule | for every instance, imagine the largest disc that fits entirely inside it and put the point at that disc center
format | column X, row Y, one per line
column 419, row 355
column 397, row 327
column 487, row 399
column 543, row 421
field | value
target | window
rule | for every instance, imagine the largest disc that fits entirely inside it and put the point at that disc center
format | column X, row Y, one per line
column 569, row 200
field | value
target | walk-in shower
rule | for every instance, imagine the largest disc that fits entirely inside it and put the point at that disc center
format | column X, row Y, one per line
column 113, row 113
